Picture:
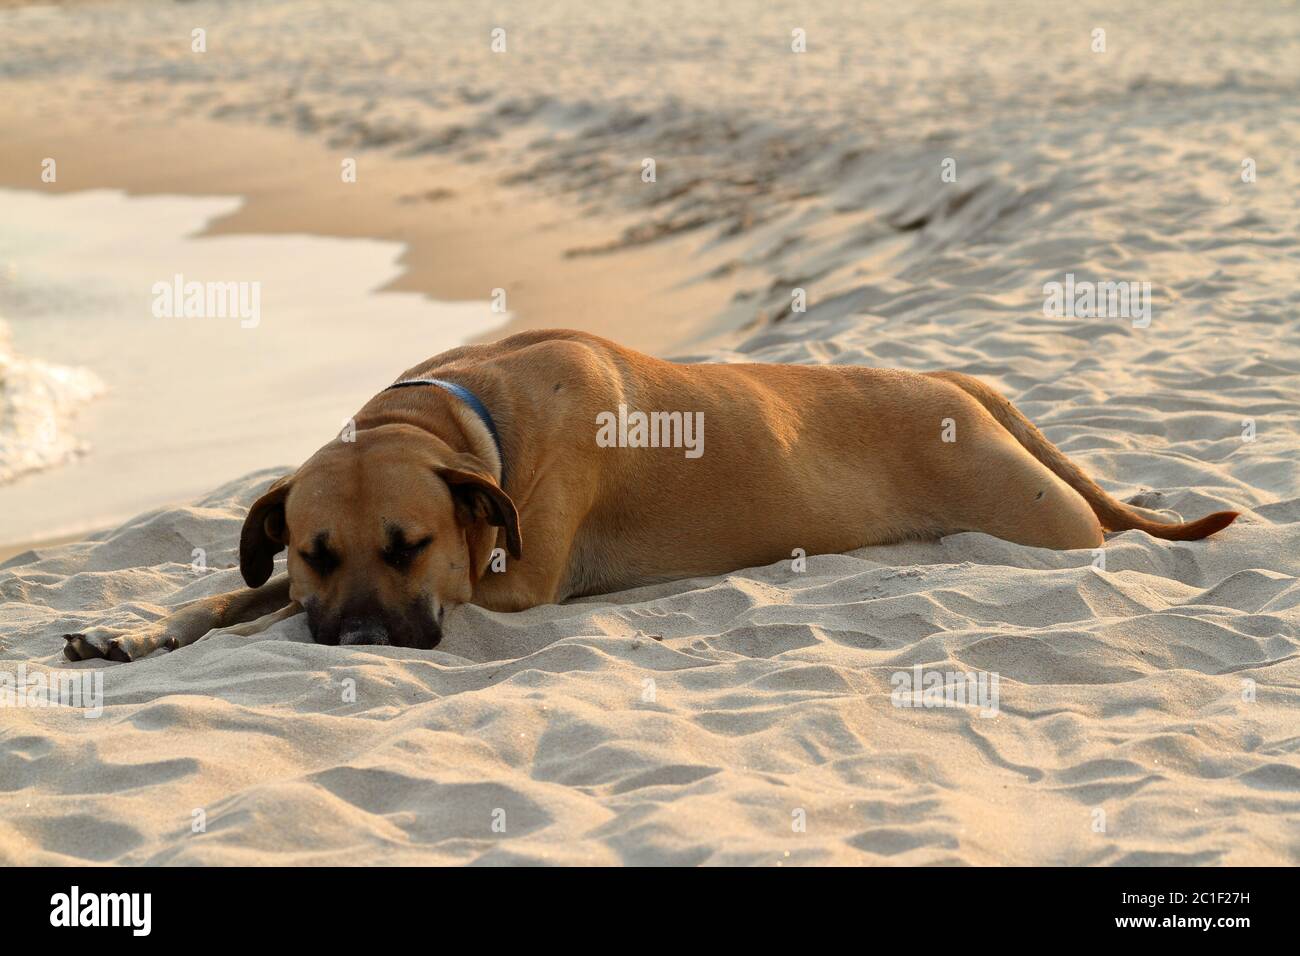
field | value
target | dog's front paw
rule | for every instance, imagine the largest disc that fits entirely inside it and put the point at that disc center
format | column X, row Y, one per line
column 112, row 644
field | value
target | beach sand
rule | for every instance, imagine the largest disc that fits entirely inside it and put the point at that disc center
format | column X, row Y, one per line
column 1146, row 701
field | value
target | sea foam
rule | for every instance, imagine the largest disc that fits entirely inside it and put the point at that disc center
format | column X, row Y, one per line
column 38, row 403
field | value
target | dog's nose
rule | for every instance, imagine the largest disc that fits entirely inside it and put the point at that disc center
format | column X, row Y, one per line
column 361, row 631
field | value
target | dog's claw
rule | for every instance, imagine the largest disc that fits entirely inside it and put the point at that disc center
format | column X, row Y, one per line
column 87, row 646
column 76, row 649
column 112, row 644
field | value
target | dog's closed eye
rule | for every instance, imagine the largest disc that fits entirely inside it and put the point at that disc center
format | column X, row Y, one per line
column 321, row 560
column 400, row 553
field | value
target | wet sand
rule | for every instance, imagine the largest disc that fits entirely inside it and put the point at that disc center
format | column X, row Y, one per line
column 466, row 233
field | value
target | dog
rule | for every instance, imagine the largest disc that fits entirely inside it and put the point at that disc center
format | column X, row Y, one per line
column 513, row 474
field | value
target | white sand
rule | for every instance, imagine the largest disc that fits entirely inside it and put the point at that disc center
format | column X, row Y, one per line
column 701, row 721
column 1147, row 712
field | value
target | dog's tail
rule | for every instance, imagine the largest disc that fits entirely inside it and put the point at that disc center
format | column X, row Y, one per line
column 1113, row 514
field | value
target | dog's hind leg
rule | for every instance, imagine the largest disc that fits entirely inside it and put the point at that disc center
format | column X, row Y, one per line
column 1114, row 515
column 987, row 481
column 1011, row 495
column 185, row 626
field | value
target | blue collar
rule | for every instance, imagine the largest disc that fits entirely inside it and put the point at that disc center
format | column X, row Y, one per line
column 469, row 398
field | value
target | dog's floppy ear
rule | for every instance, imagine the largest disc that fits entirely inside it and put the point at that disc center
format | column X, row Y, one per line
column 477, row 498
column 264, row 534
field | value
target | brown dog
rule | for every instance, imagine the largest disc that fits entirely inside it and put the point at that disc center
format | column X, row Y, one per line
column 555, row 464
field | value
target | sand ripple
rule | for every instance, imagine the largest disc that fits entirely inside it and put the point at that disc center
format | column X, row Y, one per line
column 696, row 722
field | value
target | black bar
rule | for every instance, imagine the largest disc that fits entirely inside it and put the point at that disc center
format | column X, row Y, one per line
column 875, row 906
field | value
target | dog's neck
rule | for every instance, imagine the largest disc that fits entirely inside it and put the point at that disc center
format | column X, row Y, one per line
column 469, row 413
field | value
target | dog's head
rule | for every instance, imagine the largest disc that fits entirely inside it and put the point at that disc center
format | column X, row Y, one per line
column 384, row 533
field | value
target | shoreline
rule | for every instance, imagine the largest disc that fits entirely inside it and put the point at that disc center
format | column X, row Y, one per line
column 465, row 232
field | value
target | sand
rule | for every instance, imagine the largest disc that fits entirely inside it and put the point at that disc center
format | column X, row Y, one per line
column 1146, row 703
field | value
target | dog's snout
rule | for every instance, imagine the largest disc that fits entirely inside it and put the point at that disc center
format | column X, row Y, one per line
column 421, row 627
column 363, row 631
